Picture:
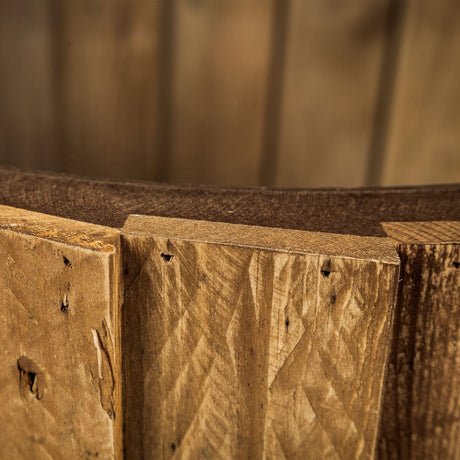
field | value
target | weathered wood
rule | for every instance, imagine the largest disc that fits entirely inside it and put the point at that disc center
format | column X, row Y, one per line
column 421, row 411
column 59, row 337
column 423, row 144
column 333, row 59
column 253, row 342
column 357, row 212
column 227, row 259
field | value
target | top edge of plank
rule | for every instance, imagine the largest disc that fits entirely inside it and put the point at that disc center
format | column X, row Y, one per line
column 344, row 211
column 66, row 231
column 423, row 232
column 146, row 184
column 264, row 238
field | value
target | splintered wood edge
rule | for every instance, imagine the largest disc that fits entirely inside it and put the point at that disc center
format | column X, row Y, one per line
column 99, row 240
column 265, row 238
column 423, row 232
column 74, row 233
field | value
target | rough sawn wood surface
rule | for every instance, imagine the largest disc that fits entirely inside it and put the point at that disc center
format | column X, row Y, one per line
column 59, row 333
column 421, row 411
column 253, row 342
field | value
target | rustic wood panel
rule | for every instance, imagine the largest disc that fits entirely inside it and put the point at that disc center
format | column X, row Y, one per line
column 251, row 342
column 423, row 138
column 108, row 66
column 220, row 65
column 59, row 332
column 421, row 412
column 103, row 202
column 333, row 63
column 26, row 85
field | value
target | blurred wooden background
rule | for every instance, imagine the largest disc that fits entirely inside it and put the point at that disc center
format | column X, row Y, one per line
column 289, row 93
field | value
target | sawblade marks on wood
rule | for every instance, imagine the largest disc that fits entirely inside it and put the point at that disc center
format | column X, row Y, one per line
column 251, row 350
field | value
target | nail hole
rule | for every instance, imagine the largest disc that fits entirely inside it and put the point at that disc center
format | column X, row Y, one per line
column 326, row 268
column 166, row 257
column 173, row 447
column 456, row 264
column 67, row 262
column 287, row 322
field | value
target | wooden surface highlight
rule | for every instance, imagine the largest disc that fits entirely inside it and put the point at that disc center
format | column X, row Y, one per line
column 59, row 331
column 270, row 239
column 423, row 232
column 251, row 350
column 421, row 410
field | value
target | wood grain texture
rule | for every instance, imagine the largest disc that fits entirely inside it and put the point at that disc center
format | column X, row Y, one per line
column 27, row 134
column 235, row 350
column 421, row 411
column 356, row 212
column 60, row 338
column 220, row 74
column 424, row 139
column 107, row 54
column 423, row 232
column 334, row 53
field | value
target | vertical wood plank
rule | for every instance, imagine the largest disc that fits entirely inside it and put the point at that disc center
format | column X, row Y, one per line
column 26, row 85
column 334, row 54
column 274, row 93
column 395, row 23
column 220, row 72
column 250, row 342
column 109, row 65
column 424, row 139
column 59, row 331
column 421, row 410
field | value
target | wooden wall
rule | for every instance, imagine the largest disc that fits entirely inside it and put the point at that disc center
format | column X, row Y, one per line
column 334, row 334
column 306, row 93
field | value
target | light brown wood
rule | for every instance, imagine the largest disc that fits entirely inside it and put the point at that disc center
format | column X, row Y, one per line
column 60, row 338
column 221, row 56
column 441, row 232
column 247, row 342
column 27, row 135
column 333, row 59
column 423, row 143
column 109, row 68
column 421, row 411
